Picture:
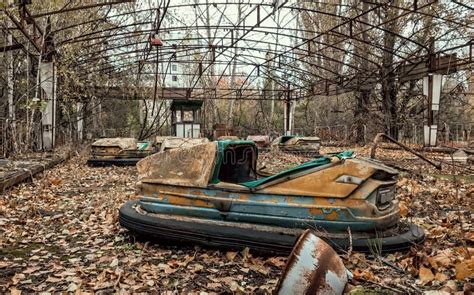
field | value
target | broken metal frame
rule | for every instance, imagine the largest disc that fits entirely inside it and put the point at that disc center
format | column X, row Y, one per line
column 297, row 64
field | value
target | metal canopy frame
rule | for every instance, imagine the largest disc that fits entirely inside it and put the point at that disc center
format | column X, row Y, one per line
column 267, row 43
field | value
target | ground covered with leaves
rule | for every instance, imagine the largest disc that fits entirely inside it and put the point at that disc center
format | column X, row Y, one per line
column 61, row 233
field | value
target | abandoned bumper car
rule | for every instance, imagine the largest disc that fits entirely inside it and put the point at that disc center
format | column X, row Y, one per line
column 119, row 151
column 211, row 194
column 298, row 145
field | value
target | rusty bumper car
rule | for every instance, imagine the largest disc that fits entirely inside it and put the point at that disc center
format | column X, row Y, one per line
column 298, row 145
column 211, row 194
column 119, row 151
column 170, row 142
column 261, row 141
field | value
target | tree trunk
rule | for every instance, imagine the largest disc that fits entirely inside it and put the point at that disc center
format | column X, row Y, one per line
column 360, row 114
column 389, row 89
column 10, row 85
column 363, row 95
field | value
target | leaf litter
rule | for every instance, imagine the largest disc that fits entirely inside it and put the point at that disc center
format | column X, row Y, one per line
column 60, row 233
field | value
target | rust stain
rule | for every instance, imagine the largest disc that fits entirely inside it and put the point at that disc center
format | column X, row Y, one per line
column 318, row 276
column 333, row 215
column 244, row 197
column 305, row 281
column 316, row 211
column 178, row 200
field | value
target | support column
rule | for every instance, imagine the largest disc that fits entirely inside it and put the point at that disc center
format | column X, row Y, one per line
column 99, row 118
column 80, row 121
column 288, row 117
column 48, row 114
column 432, row 85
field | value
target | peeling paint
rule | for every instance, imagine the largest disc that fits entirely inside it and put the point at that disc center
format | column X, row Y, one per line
column 312, row 268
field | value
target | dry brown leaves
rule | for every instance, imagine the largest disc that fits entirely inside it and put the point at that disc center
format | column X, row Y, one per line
column 442, row 205
column 61, row 234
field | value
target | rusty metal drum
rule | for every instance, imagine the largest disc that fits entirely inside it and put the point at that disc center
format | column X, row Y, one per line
column 313, row 268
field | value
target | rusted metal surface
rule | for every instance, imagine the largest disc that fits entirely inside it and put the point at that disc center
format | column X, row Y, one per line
column 120, row 148
column 445, row 65
column 159, row 141
column 379, row 136
column 324, row 183
column 312, row 268
column 179, row 167
column 178, row 142
column 261, row 141
column 254, row 40
column 123, row 143
column 345, row 191
column 298, row 145
column 337, row 193
column 105, row 152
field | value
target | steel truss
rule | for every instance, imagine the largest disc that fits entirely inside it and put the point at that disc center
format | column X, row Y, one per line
column 266, row 44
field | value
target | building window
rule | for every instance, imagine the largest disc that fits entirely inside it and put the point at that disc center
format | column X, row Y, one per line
column 174, row 78
column 174, row 68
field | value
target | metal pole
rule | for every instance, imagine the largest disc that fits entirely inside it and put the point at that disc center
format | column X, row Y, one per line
column 380, row 135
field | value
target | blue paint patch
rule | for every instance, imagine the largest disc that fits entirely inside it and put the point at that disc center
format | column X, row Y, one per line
column 268, row 209
column 290, row 222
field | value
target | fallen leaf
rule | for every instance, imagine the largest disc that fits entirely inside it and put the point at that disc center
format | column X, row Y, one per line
column 214, row 286
column 415, row 188
column 432, row 262
column 4, row 264
column 234, row 286
column 53, row 280
column 72, row 287
column 17, row 278
column 403, row 209
column 245, row 253
column 443, row 258
column 277, row 261
column 441, row 277
column 231, row 255
column 114, row 263
column 425, row 275
column 225, row 280
column 451, row 284
column 363, row 275
column 15, row 291
column 55, row 181
column 187, row 260
column 259, row 268
column 470, row 236
column 465, row 269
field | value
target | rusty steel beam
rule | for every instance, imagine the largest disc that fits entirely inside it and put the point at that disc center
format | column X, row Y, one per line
column 23, row 30
column 168, row 93
column 324, row 81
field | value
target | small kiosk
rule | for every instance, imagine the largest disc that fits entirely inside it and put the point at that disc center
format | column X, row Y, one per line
column 185, row 118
